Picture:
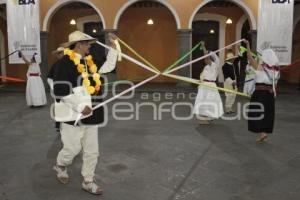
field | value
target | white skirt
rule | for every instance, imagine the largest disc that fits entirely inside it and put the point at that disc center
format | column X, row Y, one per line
column 208, row 102
column 35, row 91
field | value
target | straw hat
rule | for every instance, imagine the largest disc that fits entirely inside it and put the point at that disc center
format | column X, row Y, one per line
column 58, row 50
column 78, row 36
column 230, row 56
column 269, row 57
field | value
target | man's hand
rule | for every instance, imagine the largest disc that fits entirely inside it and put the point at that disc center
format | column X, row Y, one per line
column 86, row 111
column 111, row 38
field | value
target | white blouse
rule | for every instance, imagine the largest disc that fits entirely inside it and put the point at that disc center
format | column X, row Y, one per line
column 33, row 68
column 267, row 75
column 210, row 72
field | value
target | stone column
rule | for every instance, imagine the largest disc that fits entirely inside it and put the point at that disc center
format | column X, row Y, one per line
column 184, row 45
column 44, row 56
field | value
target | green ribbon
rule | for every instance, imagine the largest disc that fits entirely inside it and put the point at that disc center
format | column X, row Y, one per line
column 184, row 56
column 168, row 68
column 243, row 50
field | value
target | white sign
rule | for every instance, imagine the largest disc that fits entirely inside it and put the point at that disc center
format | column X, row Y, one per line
column 23, row 28
column 275, row 28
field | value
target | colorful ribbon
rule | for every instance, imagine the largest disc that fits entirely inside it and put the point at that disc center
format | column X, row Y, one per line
column 138, row 55
column 202, row 57
column 12, row 79
column 131, row 59
column 157, row 73
column 8, row 55
column 184, row 56
column 120, row 94
column 195, row 81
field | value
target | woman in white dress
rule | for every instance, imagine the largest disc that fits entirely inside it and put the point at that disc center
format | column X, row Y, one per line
column 208, row 104
column 35, row 90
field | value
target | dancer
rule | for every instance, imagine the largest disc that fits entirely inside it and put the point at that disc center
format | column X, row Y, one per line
column 230, row 81
column 262, row 104
column 208, row 104
column 35, row 90
column 77, row 72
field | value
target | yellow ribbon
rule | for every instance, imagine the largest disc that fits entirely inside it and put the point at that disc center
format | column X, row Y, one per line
column 138, row 55
column 182, row 78
column 195, row 81
column 118, row 47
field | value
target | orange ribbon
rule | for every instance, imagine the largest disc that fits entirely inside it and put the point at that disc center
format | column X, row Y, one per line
column 12, row 79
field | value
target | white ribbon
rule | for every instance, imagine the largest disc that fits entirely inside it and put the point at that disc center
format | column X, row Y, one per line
column 118, row 95
column 131, row 59
column 126, row 56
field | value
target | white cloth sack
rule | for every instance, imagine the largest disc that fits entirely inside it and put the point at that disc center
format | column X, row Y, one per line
column 71, row 106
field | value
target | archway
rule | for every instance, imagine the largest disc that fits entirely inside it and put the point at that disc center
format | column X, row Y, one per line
column 241, row 4
column 131, row 2
column 211, row 29
column 239, row 26
column 156, row 42
column 59, row 4
column 220, row 11
column 84, row 17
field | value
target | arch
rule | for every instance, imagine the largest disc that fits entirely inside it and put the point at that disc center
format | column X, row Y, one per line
column 130, row 2
column 60, row 4
column 238, row 2
column 239, row 27
column 82, row 20
column 222, row 28
column 2, row 54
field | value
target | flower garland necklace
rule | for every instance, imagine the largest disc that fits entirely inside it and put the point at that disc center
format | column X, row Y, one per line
column 83, row 71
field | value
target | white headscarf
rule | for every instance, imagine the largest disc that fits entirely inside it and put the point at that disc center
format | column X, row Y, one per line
column 269, row 57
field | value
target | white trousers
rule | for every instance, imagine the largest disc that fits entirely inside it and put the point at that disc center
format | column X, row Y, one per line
column 230, row 98
column 76, row 139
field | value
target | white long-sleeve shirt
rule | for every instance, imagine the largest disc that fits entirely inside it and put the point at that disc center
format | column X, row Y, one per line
column 210, row 72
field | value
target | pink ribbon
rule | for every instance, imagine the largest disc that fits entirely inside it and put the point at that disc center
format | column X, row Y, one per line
column 196, row 60
column 118, row 95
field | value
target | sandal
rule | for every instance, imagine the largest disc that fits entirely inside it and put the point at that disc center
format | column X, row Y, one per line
column 262, row 139
column 92, row 188
column 204, row 122
column 61, row 174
